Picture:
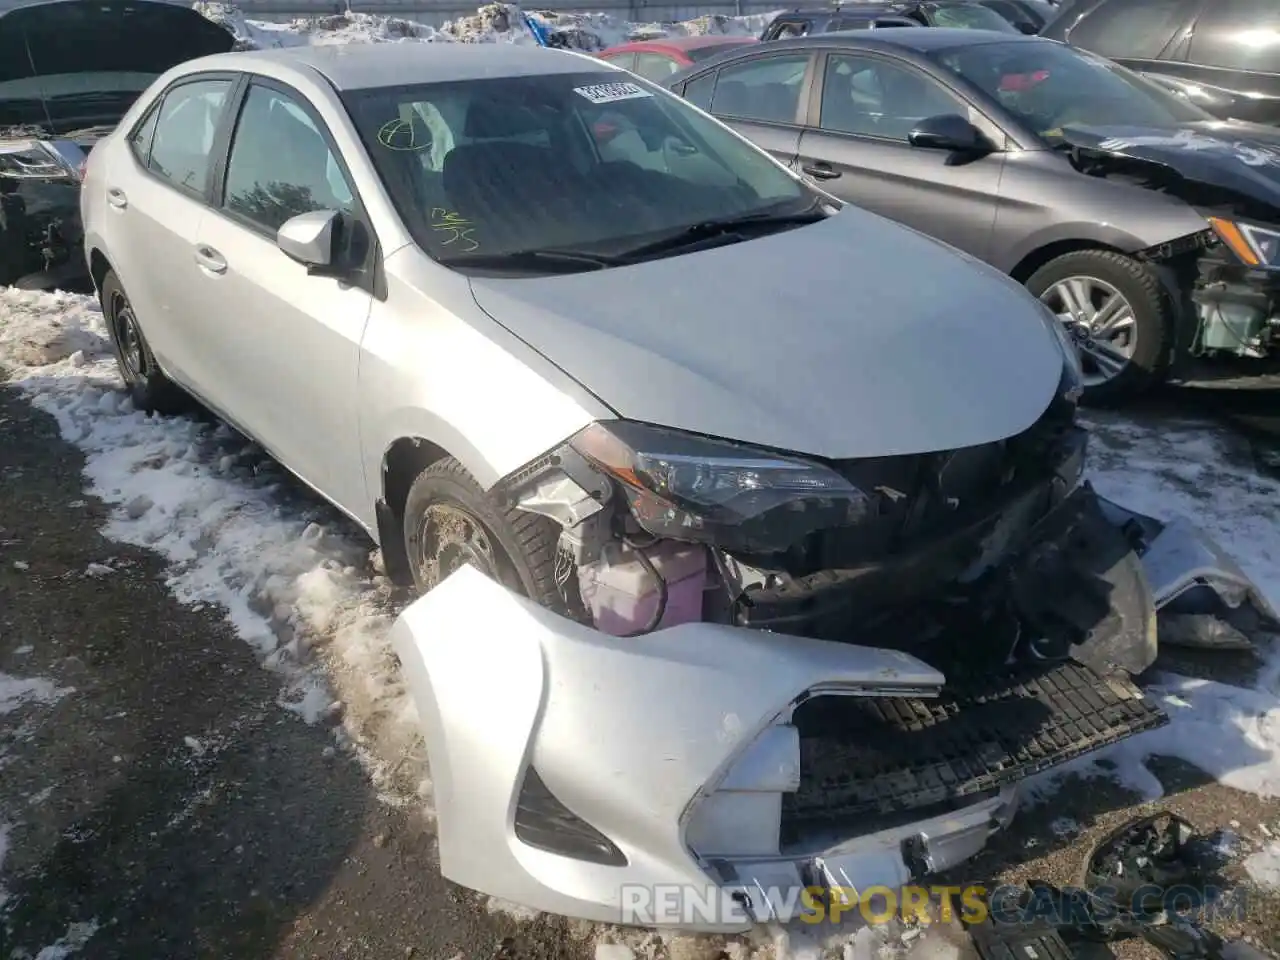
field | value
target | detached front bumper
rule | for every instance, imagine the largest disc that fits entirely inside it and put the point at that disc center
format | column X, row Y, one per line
column 686, row 778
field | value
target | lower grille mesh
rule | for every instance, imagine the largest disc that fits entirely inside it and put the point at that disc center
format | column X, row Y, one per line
column 863, row 758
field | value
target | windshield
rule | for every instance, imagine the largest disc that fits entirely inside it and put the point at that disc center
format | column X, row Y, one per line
column 596, row 162
column 970, row 16
column 1049, row 86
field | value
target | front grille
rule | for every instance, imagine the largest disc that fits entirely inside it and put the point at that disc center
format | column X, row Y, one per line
column 862, row 758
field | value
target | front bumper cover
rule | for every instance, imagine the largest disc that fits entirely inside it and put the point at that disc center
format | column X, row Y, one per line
column 680, row 747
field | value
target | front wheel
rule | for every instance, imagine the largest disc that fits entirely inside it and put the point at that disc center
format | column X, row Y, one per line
column 1119, row 315
column 449, row 522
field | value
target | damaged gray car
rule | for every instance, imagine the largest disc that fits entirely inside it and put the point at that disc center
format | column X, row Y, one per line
column 69, row 70
column 1150, row 228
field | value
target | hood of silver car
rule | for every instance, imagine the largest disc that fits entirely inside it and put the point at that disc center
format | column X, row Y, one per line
column 851, row 337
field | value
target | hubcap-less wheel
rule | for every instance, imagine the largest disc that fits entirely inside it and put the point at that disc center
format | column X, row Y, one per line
column 449, row 538
column 129, row 337
column 1100, row 321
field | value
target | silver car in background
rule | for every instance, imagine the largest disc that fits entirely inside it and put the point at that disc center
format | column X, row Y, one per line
column 705, row 498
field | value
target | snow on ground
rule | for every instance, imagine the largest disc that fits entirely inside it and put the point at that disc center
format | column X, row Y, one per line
column 493, row 23
column 1263, row 867
column 300, row 585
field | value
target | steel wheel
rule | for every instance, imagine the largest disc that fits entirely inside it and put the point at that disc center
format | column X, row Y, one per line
column 125, row 327
column 450, row 537
column 1101, row 322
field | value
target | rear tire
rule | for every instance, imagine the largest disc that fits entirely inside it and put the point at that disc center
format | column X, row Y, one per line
column 144, row 381
column 1150, row 333
column 450, row 521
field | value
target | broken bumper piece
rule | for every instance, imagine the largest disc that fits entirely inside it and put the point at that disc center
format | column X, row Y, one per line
column 703, row 774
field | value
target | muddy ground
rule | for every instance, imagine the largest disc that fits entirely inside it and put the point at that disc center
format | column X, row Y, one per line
column 163, row 805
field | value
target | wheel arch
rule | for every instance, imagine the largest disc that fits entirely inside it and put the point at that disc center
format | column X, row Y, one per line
column 1037, row 258
column 402, row 461
column 98, row 267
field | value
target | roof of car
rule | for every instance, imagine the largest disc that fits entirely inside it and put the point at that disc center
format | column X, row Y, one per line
column 923, row 41
column 360, row 66
column 682, row 43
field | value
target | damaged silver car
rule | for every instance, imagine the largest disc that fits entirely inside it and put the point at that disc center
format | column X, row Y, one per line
column 747, row 562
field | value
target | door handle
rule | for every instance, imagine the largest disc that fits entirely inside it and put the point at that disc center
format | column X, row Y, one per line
column 211, row 260
column 820, row 171
column 117, row 199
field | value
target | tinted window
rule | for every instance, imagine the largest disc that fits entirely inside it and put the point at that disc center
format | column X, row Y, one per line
column 1239, row 34
column 280, row 164
column 627, row 61
column 847, row 23
column 140, row 139
column 184, row 133
column 1136, row 29
column 875, row 98
column 699, row 91
column 764, row 89
column 567, row 162
column 1049, row 85
column 789, row 28
column 655, row 66
column 970, row 16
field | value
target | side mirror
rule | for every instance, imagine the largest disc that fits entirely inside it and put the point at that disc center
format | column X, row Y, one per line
column 949, row 131
column 311, row 239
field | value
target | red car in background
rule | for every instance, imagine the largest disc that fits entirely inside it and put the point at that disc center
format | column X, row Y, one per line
column 657, row 59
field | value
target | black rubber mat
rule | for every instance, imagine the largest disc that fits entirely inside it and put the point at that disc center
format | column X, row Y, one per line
column 863, row 757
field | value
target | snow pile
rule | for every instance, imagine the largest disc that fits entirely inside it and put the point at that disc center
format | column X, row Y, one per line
column 18, row 691
column 1263, row 867
column 293, row 577
column 492, row 23
column 1183, row 469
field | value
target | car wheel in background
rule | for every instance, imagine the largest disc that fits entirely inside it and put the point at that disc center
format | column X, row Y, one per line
column 1119, row 314
column 449, row 522
column 146, row 383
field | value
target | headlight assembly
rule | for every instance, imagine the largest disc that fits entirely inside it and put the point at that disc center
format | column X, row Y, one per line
column 713, row 491
column 1256, row 246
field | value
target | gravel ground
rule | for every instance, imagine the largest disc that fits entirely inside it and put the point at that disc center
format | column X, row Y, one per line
column 164, row 805
column 161, row 804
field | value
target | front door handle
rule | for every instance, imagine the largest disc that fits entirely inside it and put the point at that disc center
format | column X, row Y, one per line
column 820, row 170
column 211, row 260
column 117, row 199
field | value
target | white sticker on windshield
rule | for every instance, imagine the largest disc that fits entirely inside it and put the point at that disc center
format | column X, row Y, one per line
column 611, row 92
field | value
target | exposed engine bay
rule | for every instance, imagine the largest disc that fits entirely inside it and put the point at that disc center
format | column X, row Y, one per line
column 41, row 239
column 1230, row 271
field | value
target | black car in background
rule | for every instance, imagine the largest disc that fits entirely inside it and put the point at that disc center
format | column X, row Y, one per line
column 69, row 71
column 858, row 15
column 1224, row 55
column 1029, row 16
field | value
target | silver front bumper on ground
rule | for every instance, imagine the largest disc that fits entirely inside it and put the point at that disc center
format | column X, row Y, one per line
column 676, row 749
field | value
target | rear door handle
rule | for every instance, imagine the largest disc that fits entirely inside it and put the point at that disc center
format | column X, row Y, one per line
column 820, row 170
column 117, row 199
column 211, row 260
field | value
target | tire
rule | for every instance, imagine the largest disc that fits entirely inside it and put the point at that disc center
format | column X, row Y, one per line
column 144, row 381
column 1151, row 307
column 522, row 546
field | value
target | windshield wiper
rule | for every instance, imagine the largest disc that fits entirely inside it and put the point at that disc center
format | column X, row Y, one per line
column 724, row 228
column 534, row 260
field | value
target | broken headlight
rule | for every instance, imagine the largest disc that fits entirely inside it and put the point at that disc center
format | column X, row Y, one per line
column 687, row 487
column 1256, row 246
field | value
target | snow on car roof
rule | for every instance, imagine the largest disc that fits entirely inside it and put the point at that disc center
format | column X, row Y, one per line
column 365, row 65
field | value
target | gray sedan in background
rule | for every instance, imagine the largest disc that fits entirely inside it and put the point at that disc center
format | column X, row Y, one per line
column 1147, row 226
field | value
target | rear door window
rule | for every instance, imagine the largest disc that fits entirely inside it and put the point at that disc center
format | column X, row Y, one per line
column 1238, row 35
column 767, row 89
column 1132, row 29
column 188, row 119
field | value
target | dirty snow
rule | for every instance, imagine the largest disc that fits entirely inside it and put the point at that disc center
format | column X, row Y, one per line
column 1263, row 867
column 17, row 691
column 77, row 935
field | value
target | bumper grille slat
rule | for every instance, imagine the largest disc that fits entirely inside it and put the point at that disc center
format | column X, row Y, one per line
column 868, row 758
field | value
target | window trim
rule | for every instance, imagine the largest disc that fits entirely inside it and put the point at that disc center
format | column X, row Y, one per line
column 813, row 57
column 974, row 113
column 368, row 274
column 199, row 195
